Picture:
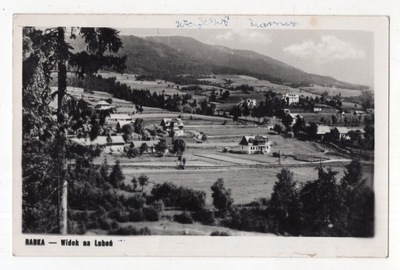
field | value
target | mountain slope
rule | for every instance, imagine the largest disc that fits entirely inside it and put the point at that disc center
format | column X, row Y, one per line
column 173, row 55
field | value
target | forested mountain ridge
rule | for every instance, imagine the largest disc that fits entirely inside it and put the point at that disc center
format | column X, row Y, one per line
column 173, row 55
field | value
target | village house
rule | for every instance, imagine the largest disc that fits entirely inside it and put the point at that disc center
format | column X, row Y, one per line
column 115, row 143
column 294, row 117
column 250, row 102
column 173, row 126
column 114, row 118
column 254, row 145
column 342, row 133
column 120, row 124
column 322, row 130
column 290, row 98
column 103, row 105
column 150, row 145
column 271, row 121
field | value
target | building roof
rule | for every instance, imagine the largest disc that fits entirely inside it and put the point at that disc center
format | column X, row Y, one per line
column 320, row 105
column 122, row 123
column 294, row 115
column 359, row 112
column 167, row 121
column 120, row 116
column 102, row 103
column 343, row 130
column 149, row 143
column 290, row 95
column 357, row 129
column 323, row 129
column 255, row 140
column 100, row 140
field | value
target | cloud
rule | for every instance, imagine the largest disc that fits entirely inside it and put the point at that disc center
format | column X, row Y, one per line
column 245, row 36
column 324, row 51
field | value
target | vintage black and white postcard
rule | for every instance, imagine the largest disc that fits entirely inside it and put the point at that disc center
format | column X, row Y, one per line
column 200, row 135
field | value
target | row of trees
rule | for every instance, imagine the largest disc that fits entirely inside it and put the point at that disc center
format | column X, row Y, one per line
column 137, row 96
column 46, row 152
column 321, row 207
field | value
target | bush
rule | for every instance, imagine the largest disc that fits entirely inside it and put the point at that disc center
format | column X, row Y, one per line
column 249, row 219
column 79, row 228
column 123, row 217
column 205, row 217
column 167, row 192
column 136, row 201
column 104, row 224
column 114, row 225
column 93, row 225
column 289, row 135
column 151, row 213
column 184, row 198
column 133, row 152
column 183, row 218
column 114, row 214
column 222, row 199
column 218, row 233
column 80, row 216
column 130, row 230
column 136, row 215
column 276, row 154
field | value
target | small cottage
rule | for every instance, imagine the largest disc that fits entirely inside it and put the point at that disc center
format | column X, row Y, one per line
column 114, row 118
column 174, row 126
column 322, row 131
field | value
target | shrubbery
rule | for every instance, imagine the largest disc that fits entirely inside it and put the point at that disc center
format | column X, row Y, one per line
column 184, row 198
column 130, row 230
column 183, row 218
column 218, row 233
column 205, row 217
column 248, row 219
column 151, row 213
column 136, row 201
column 136, row 215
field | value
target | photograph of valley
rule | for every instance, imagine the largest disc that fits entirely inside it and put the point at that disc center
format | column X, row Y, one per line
column 211, row 132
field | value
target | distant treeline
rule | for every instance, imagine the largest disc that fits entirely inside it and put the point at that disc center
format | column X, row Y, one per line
column 137, row 96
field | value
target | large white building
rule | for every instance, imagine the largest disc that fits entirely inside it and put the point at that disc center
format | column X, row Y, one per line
column 254, row 145
column 290, row 98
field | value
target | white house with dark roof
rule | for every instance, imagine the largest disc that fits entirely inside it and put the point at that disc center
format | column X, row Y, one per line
column 255, row 144
column 290, row 98
column 173, row 125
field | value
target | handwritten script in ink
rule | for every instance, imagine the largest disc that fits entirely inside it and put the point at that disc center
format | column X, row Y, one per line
column 271, row 24
column 201, row 22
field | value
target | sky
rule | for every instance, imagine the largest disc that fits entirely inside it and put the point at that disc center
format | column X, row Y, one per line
column 343, row 55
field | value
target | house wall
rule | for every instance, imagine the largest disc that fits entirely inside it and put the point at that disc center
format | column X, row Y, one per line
column 251, row 149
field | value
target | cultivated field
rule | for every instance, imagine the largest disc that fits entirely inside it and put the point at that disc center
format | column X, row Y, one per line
column 319, row 90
